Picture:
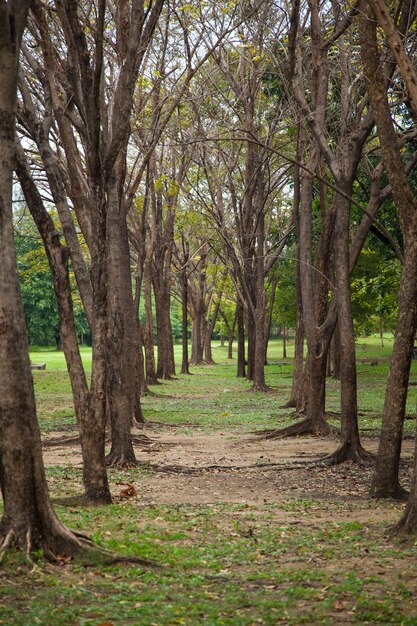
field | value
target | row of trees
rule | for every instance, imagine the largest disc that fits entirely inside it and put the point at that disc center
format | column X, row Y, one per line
column 208, row 146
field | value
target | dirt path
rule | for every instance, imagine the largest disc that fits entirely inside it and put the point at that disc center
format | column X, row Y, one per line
column 201, row 468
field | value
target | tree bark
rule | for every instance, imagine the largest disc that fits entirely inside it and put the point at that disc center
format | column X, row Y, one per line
column 148, row 341
column 28, row 520
column 268, row 317
column 185, row 369
column 386, row 482
column 240, row 314
column 94, row 470
column 121, row 364
column 208, row 356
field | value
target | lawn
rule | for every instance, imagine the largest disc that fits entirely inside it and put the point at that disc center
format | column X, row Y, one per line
column 240, row 533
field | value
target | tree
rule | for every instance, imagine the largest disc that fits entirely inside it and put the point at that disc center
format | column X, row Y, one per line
column 237, row 180
column 91, row 85
column 333, row 138
column 28, row 521
column 385, row 481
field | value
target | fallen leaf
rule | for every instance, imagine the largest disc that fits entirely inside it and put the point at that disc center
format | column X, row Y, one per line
column 129, row 492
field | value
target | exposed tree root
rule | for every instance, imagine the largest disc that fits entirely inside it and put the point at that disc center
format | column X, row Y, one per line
column 142, row 440
column 61, row 441
column 167, row 377
column 269, row 431
column 181, row 469
column 261, row 388
column 6, row 543
column 153, row 382
column 392, row 492
column 74, row 544
column 349, row 451
column 137, row 440
column 406, row 528
column 305, row 427
column 291, row 404
column 79, row 500
column 120, row 459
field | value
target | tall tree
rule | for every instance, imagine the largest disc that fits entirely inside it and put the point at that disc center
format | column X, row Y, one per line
column 28, row 521
column 386, row 480
column 350, row 129
column 91, row 86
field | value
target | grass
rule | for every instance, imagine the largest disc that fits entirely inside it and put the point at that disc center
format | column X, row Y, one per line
column 301, row 559
column 216, row 572
column 230, row 406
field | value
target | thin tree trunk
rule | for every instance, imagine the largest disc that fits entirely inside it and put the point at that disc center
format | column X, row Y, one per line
column 230, row 338
column 350, row 448
column 121, row 371
column 165, row 364
column 241, row 369
column 58, row 261
column 268, row 317
column 250, row 325
column 148, row 329
column 184, row 302
column 208, row 356
column 196, row 339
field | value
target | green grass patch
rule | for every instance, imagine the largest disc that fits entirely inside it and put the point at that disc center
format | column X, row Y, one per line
column 215, row 572
column 304, row 558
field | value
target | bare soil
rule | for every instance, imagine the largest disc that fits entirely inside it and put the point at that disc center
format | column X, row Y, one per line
column 202, row 468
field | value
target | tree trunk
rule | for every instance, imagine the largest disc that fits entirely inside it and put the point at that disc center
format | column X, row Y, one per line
column 121, row 371
column 240, row 321
column 250, row 357
column 297, row 376
column 313, row 289
column 408, row 521
column 268, row 317
column 208, row 356
column 196, row 339
column 230, row 337
column 141, row 387
column 258, row 374
column 350, row 448
column 184, row 322
column 148, row 329
column 28, row 520
column 335, row 355
column 386, row 482
column 165, row 365
column 58, row 260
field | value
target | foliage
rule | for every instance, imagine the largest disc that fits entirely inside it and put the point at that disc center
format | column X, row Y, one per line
column 39, row 302
column 375, row 287
column 285, row 309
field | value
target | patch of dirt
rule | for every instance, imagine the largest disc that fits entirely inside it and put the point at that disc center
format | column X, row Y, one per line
column 208, row 468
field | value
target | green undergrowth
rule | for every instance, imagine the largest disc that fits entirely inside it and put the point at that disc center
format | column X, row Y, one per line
column 213, row 398
column 220, row 564
column 302, row 557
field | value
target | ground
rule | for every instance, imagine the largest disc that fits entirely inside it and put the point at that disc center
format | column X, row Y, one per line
column 200, row 468
column 242, row 530
column 317, row 544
